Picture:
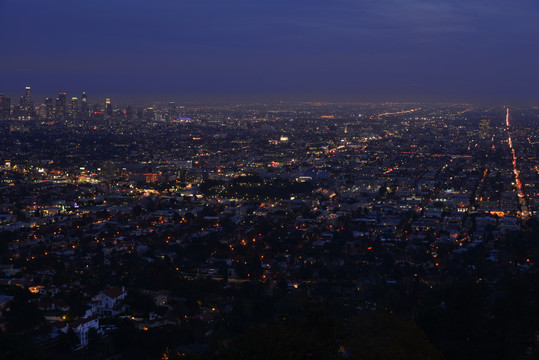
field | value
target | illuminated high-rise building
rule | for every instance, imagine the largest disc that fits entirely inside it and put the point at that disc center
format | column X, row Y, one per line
column 61, row 105
column 172, row 111
column 84, row 109
column 49, row 109
column 74, row 107
column 22, row 112
column 97, row 112
column 57, row 108
column 108, row 108
column 27, row 105
column 28, row 94
column 41, row 111
column 149, row 113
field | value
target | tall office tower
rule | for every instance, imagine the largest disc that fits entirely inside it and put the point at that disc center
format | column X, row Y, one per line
column 74, row 107
column 84, row 109
column 18, row 113
column 172, row 111
column 28, row 95
column 49, row 109
column 108, row 108
column 41, row 111
column 56, row 108
column 22, row 112
column 97, row 113
column 5, row 107
column 28, row 105
column 149, row 113
column 61, row 106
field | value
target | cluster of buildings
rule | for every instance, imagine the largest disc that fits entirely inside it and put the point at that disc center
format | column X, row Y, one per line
column 63, row 108
column 291, row 195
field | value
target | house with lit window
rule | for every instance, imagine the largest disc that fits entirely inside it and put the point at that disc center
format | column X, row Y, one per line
column 108, row 301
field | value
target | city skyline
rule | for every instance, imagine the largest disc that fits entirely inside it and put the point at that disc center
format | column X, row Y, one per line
column 40, row 99
column 343, row 51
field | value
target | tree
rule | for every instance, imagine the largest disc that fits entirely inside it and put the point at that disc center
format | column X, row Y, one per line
column 13, row 347
column 365, row 336
column 137, row 210
column 23, row 316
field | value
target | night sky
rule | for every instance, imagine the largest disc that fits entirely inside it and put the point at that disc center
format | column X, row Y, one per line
column 351, row 50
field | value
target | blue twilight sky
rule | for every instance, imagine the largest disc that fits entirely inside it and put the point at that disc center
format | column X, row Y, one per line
column 358, row 50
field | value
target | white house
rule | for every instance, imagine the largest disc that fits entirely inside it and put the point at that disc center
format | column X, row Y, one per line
column 82, row 328
column 108, row 301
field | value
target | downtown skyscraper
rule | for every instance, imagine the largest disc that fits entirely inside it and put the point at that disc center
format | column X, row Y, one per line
column 84, row 109
column 61, row 105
